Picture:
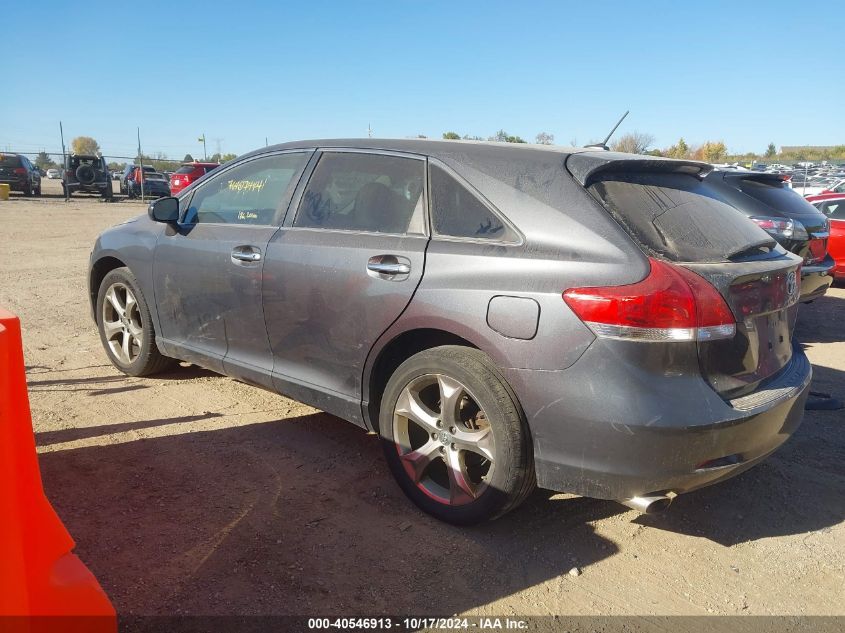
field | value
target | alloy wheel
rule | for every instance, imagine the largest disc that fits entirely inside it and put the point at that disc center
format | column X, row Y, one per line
column 444, row 439
column 122, row 326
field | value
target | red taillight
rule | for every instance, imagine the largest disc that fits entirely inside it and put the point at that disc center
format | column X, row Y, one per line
column 20, row 170
column 670, row 304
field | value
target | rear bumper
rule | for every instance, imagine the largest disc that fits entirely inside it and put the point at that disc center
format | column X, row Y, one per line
column 15, row 184
column 608, row 429
column 816, row 279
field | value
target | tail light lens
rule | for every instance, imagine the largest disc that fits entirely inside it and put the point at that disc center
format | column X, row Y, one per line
column 20, row 170
column 670, row 304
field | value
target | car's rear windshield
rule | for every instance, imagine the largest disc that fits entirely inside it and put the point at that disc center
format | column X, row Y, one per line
column 775, row 193
column 186, row 169
column 10, row 160
column 676, row 216
column 85, row 160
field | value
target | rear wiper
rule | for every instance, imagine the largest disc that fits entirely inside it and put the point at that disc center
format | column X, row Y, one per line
column 752, row 249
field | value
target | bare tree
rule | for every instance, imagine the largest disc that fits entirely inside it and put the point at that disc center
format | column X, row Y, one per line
column 632, row 143
column 544, row 138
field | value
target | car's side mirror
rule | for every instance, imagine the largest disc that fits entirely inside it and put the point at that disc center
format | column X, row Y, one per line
column 164, row 210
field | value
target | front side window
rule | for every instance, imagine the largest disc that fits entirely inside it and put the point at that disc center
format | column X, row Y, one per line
column 457, row 212
column 364, row 192
column 251, row 193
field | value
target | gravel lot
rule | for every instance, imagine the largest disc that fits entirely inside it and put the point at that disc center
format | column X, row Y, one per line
column 192, row 493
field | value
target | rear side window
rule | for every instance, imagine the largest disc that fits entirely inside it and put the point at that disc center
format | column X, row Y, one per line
column 457, row 212
column 251, row 193
column 776, row 194
column 364, row 192
column 676, row 216
column 834, row 209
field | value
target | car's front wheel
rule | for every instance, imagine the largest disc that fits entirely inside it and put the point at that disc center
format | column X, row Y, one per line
column 455, row 437
column 125, row 325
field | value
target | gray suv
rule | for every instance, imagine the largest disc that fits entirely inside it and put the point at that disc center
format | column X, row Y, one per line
column 502, row 316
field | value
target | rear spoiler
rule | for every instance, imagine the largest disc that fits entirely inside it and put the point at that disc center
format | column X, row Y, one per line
column 587, row 167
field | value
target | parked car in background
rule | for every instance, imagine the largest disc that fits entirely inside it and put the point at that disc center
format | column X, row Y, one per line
column 611, row 329
column 128, row 172
column 834, row 209
column 116, row 174
column 54, row 174
column 88, row 174
column 776, row 208
column 189, row 173
column 155, row 184
column 833, row 190
column 20, row 174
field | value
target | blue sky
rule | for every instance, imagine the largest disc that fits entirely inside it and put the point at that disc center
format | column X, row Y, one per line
column 746, row 73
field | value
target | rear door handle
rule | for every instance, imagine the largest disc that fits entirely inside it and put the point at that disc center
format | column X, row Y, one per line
column 246, row 254
column 389, row 265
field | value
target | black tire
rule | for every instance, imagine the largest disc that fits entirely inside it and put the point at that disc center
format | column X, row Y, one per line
column 38, row 190
column 149, row 360
column 512, row 478
column 85, row 174
column 28, row 189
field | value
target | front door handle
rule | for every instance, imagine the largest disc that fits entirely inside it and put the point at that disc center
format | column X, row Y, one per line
column 389, row 265
column 246, row 254
column 389, row 269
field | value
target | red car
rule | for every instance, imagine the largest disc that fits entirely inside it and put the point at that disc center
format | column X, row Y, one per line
column 836, row 190
column 834, row 209
column 187, row 174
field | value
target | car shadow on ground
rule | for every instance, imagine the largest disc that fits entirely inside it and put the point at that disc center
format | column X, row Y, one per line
column 294, row 516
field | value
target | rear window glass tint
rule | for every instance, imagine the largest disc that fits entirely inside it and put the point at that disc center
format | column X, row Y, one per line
column 9, row 160
column 185, row 169
column 677, row 217
column 776, row 194
column 457, row 212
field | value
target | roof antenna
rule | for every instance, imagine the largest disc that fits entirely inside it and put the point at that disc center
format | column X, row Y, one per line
column 603, row 144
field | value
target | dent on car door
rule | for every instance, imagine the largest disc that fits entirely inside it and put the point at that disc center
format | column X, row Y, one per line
column 208, row 269
column 343, row 270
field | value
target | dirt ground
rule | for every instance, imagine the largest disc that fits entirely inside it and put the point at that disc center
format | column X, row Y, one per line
column 192, row 493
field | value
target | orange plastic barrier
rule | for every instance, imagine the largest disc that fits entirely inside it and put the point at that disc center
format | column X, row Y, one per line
column 43, row 586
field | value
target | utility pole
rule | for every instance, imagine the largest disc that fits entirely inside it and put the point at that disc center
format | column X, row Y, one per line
column 64, row 159
column 140, row 164
column 201, row 139
column 369, row 131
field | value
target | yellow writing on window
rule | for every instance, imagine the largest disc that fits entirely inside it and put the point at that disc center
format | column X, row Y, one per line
column 243, row 186
column 247, row 215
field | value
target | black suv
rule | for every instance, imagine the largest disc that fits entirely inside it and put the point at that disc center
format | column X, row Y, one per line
column 795, row 223
column 86, row 173
column 21, row 175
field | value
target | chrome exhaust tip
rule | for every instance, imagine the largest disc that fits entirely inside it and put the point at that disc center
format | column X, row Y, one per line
column 649, row 504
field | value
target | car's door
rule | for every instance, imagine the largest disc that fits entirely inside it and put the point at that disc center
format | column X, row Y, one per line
column 208, row 269
column 342, row 268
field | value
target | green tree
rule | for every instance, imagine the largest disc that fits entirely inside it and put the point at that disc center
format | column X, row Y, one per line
column 678, row 150
column 85, row 145
column 188, row 159
column 227, row 157
column 43, row 161
column 771, row 151
column 711, row 152
column 451, row 136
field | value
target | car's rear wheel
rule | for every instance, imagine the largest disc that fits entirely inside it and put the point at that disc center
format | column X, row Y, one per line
column 455, row 437
column 125, row 325
column 28, row 189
